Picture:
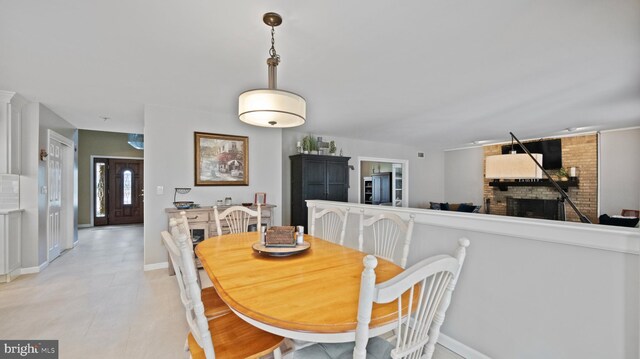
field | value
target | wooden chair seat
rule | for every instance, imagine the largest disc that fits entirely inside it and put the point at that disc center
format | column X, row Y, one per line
column 213, row 304
column 233, row 338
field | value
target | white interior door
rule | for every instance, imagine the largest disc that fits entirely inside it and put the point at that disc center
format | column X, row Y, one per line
column 54, row 225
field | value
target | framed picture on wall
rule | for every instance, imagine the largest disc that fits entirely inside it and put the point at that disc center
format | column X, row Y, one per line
column 260, row 197
column 221, row 160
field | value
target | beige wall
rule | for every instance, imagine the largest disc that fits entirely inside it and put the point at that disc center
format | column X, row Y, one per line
column 97, row 143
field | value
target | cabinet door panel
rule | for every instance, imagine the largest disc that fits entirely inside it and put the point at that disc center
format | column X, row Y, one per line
column 336, row 173
column 337, row 181
column 316, row 191
column 337, row 193
column 315, row 172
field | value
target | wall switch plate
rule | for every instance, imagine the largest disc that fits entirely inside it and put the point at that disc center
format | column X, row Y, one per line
column 160, row 190
column 43, row 190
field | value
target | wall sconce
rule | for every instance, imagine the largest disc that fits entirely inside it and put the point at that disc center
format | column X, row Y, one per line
column 43, row 154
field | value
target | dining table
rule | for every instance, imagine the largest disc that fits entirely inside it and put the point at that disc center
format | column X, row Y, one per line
column 308, row 296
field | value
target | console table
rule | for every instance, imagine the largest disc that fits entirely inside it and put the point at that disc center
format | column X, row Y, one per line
column 202, row 221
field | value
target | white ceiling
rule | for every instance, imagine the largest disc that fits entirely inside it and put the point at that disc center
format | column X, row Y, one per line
column 434, row 74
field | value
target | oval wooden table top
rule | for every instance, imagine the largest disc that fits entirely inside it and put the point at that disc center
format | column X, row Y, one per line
column 316, row 291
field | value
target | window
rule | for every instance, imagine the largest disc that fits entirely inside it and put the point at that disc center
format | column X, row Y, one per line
column 126, row 187
column 101, row 178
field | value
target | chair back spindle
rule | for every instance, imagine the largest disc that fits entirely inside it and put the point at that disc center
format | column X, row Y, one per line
column 333, row 224
column 386, row 231
column 237, row 218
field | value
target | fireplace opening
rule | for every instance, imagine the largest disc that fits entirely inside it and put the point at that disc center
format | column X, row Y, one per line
column 536, row 208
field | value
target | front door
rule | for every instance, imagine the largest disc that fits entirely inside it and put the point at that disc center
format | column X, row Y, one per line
column 119, row 191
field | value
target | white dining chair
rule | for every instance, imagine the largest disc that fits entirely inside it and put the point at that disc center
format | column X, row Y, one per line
column 333, row 224
column 227, row 336
column 426, row 287
column 213, row 304
column 237, row 218
column 181, row 225
column 387, row 232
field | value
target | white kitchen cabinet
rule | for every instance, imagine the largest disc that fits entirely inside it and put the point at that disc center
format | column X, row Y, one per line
column 10, row 223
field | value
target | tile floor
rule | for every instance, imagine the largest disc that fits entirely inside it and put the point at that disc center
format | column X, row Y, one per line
column 99, row 303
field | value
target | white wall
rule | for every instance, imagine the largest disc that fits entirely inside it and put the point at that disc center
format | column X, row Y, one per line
column 36, row 120
column 530, row 288
column 169, row 162
column 463, row 171
column 426, row 175
column 619, row 171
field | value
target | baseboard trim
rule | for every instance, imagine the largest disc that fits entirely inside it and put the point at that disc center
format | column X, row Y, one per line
column 31, row 270
column 14, row 274
column 88, row 225
column 459, row 348
column 154, row 266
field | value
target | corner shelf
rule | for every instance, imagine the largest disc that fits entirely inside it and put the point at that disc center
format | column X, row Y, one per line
column 504, row 185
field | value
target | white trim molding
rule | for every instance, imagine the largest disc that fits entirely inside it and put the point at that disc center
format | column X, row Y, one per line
column 154, row 266
column 31, row 270
column 459, row 348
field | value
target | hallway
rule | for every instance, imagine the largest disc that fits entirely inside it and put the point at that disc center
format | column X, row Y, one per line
column 98, row 302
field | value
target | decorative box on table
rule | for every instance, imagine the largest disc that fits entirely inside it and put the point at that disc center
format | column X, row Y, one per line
column 284, row 236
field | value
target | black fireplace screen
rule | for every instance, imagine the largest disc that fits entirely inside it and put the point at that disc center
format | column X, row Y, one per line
column 536, row 208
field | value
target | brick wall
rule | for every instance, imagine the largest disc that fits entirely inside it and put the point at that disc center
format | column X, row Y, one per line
column 578, row 151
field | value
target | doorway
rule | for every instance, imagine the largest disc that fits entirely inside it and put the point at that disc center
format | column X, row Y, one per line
column 383, row 181
column 60, row 193
column 118, row 191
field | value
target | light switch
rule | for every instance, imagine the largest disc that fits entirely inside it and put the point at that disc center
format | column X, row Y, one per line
column 160, row 190
column 43, row 190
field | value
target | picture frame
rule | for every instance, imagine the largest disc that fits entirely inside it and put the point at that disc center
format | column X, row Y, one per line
column 260, row 197
column 221, row 160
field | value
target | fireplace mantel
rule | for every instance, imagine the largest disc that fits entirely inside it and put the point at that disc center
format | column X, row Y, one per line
column 504, row 185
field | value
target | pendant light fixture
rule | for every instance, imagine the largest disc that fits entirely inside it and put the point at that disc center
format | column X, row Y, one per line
column 271, row 107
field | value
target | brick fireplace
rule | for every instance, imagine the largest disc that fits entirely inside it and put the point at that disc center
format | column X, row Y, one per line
column 578, row 151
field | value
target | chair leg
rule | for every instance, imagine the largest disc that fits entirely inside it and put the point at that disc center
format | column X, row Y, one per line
column 186, row 345
column 277, row 354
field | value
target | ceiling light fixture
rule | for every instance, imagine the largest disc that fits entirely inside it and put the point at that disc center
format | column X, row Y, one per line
column 271, row 107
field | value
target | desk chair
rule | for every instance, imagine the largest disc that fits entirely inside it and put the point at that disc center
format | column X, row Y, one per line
column 432, row 280
column 237, row 218
column 387, row 229
column 333, row 224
